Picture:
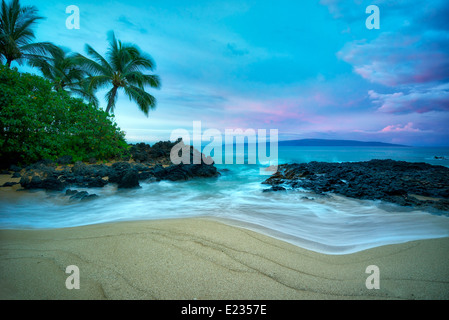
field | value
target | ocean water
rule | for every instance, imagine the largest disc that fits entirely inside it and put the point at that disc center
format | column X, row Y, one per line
column 329, row 224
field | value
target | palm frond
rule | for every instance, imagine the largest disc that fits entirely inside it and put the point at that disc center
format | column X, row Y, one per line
column 123, row 66
column 16, row 32
column 139, row 61
column 81, row 89
column 141, row 80
column 115, row 54
column 102, row 65
column 144, row 100
column 98, row 82
column 111, row 97
column 91, row 66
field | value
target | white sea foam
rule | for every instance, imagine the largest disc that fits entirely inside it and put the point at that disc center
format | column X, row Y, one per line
column 331, row 224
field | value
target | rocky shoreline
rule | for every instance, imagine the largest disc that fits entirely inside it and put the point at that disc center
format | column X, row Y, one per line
column 404, row 183
column 146, row 163
column 409, row 184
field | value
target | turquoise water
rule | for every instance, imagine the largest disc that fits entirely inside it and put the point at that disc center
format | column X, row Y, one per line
column 341, row 154
column 332, row 224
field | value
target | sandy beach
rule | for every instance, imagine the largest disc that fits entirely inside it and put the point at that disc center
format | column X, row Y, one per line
column 206, row 259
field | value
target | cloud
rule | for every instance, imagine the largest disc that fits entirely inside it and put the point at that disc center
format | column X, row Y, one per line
column 419, row 100
column 234, row 50
column 412, row 46
column 392, row 13
column 395, row 59
column 130, row 25
column 254, row 64
column 406, row 61
column 339, row 9
column 398, row 128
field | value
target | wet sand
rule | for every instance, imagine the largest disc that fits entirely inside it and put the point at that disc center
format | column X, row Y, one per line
column 206, row 259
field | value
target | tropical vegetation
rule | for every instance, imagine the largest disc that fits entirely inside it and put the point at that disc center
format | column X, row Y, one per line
column 58, row 114
column 37, row 122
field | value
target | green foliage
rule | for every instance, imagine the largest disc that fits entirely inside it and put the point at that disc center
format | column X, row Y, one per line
column 39, row 123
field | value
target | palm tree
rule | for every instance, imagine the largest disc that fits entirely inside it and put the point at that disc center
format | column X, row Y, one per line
column 16, row 33
column 61, row 68
column 123, row 68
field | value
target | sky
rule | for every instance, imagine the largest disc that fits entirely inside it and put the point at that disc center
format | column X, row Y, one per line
column 311, row 69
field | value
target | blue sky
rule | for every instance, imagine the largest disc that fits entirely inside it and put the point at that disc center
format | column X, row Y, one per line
column 310, row 69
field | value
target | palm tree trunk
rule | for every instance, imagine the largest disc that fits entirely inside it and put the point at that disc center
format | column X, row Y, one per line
column 111, row 101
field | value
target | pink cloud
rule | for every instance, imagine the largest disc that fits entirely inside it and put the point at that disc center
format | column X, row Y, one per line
column 277, row 111
column 396, row 59
column 398, row 128
column 419, row 100
column 322, row 99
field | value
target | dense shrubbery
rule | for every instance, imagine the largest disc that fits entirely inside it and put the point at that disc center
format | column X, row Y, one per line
column 39, row 123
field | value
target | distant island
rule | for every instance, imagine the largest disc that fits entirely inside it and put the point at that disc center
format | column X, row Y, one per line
column 335, row 143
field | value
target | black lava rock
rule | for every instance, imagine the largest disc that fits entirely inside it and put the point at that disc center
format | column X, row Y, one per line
column 16, row 175
column 274, row 188
column 15, row 168
column 64, row 160
column 387, row 180
column 130, row 179
column 9, row 184
column 80, row 195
